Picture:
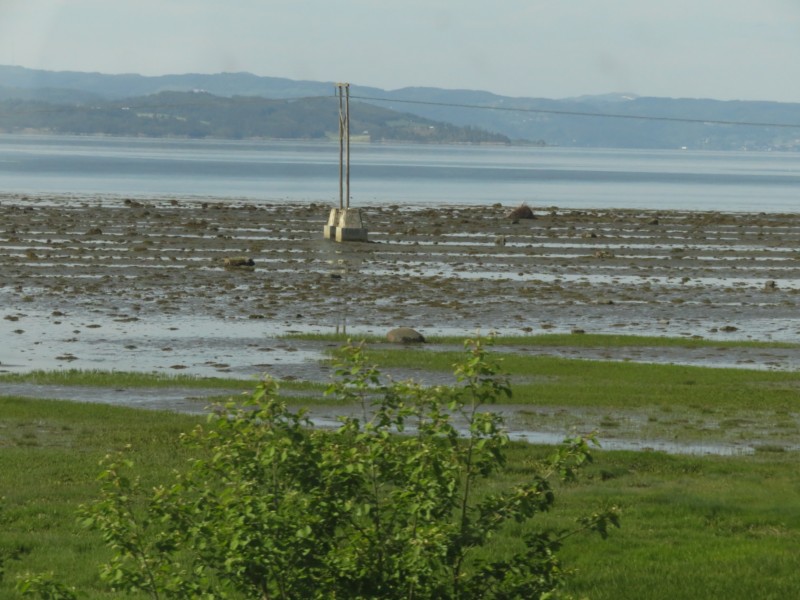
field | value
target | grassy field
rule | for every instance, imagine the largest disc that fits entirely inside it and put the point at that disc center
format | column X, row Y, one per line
column 49, row 455
column 706, row 527
column 576, row 382
column 692, row 526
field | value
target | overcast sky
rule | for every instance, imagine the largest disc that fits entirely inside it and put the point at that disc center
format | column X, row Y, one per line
column 722, row 49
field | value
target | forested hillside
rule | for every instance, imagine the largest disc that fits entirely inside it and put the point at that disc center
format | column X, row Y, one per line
column 200, row 115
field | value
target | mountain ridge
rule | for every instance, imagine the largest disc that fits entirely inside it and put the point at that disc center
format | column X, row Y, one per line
column 636, row 122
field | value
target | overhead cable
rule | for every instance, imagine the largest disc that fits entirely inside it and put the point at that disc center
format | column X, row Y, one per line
column 577, row 113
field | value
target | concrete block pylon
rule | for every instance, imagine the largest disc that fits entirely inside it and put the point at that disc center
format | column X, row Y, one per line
column 345, row 225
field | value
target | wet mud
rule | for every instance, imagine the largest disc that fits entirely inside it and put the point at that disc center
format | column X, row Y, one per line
column 115, row 282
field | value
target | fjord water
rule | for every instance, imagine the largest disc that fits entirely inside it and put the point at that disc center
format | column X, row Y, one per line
column 274, row 171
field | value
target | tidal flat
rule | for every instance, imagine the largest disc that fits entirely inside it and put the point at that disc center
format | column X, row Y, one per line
column 130, row 284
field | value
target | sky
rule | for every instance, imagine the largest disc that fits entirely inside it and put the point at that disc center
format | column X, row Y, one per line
column 720, row 49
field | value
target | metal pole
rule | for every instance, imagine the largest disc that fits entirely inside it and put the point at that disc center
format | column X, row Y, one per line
column 347, row 121
column 341, row 147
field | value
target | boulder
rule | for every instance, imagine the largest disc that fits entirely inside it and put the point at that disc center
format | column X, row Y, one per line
column 603, row 254
column 523, row 211
column 405, row 335
column 239, row 261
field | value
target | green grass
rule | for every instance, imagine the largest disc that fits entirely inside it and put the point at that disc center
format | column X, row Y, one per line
column 97, row 378
column 49, row 455
column 590, row 340
column 555, row 340
column 693, row 527
column 124, row 379
column 555, row 381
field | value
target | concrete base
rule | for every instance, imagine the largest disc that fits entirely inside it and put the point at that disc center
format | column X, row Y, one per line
column 345, row 225
column 351, row 234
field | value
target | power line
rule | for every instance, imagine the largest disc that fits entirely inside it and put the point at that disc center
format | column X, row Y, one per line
column 577, row 113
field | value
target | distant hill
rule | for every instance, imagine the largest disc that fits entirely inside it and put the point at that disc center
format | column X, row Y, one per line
column 115, row 87
column 201, row 114
column 630, row 121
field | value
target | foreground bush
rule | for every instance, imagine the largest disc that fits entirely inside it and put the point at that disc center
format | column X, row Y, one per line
column 386, row 506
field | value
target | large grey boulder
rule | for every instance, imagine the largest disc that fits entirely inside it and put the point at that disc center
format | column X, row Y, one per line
column 405, row 335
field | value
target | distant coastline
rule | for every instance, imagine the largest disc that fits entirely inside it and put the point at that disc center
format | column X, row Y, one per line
column 246, row 106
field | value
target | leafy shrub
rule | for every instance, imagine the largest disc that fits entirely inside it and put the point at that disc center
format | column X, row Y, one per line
column 387, row 505
column 44, row 587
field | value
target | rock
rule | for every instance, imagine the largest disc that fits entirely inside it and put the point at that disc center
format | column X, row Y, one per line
column 239, row 261
column 405, row 335
column 523, row 211
column 603, row 254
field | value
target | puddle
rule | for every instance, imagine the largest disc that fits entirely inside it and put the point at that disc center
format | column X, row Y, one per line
column 547, row 438
column 197, row 346
column 188, row 400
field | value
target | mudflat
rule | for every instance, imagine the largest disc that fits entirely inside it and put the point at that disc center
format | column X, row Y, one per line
column 205, row 285
column 209, row 287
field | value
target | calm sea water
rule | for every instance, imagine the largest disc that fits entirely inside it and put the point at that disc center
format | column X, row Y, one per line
column 402, row 174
